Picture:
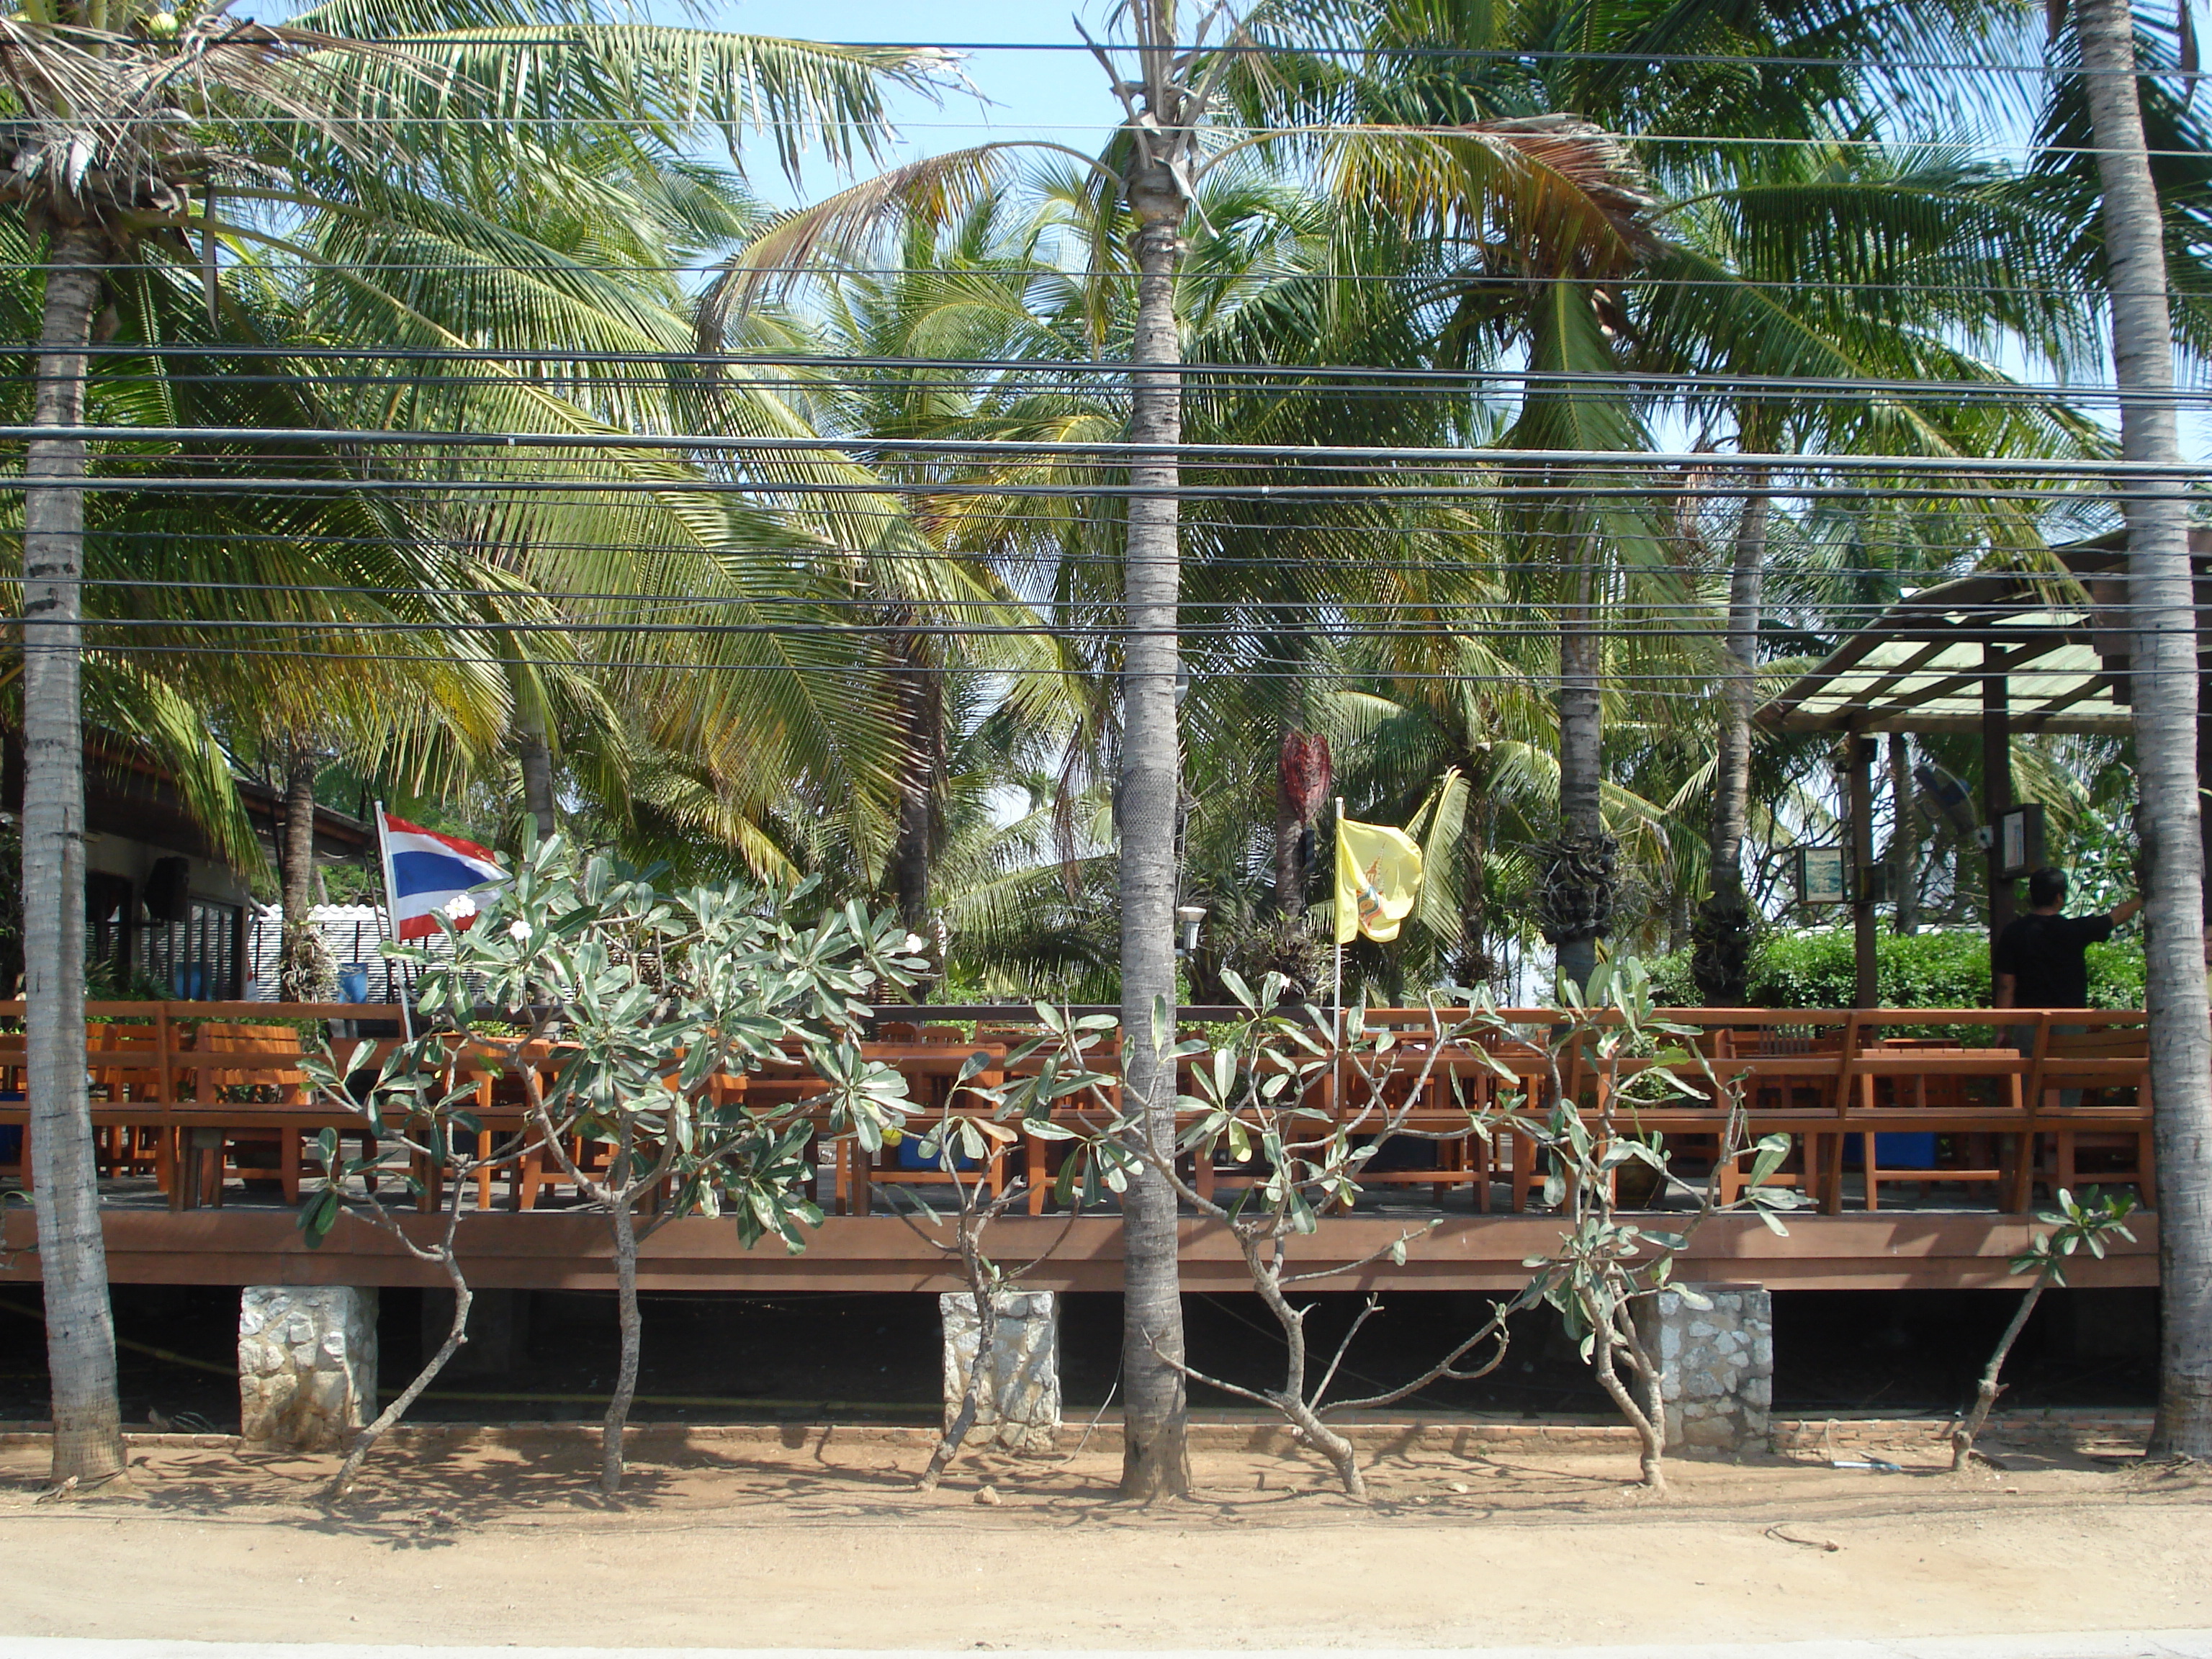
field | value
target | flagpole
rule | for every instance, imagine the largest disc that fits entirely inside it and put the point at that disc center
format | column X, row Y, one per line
column 1336, row 932
column 391, row 919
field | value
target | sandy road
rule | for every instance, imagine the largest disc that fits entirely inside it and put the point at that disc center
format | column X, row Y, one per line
column 828, row 1546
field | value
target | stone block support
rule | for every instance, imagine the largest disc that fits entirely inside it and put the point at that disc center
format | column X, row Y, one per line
column 1715, row 1365
column 1017, row 1404
column 306, row 1365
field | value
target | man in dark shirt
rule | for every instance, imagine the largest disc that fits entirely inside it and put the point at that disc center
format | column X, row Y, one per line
column 2039, row 961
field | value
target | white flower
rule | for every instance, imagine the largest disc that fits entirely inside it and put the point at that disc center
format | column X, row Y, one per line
column 519, row 932
column 916, row 944
column 460, row 905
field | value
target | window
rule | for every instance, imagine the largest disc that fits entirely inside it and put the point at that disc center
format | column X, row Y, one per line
column 195, row 960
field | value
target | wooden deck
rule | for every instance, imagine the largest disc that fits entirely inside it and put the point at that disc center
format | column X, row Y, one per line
column 1938, row 1101
column 1890, row 1251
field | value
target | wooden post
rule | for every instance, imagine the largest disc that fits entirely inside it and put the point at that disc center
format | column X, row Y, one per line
column 1996, row 778
column 1905, row 839
column 1858, row 773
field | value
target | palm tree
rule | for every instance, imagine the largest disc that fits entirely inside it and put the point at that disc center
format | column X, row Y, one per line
column 124, row 122
column 1729, row 304
column 2163, row 674
column 1552, row 190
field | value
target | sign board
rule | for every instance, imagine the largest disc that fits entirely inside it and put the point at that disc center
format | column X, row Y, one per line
column 2019, row 845
column 1822, row 876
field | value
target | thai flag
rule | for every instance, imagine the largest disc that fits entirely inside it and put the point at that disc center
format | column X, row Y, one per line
column 430, row 875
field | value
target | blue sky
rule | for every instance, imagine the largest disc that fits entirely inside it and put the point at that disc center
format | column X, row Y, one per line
column 1057, row 94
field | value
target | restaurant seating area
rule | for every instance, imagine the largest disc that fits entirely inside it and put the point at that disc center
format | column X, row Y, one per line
column 204, row 1104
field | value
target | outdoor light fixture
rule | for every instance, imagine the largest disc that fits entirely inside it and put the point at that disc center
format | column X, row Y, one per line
column 1187, row 917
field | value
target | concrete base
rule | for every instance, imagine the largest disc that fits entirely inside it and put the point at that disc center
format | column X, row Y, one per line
column 306, row 1365
column 1017, row 1403
column 499, row 1332
column 1715, row 1365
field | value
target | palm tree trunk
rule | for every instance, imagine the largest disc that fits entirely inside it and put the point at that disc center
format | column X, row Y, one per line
column 1904, row 836
column 1475, row 882
column 1290, row 852
column 921, row 714
column 1740, row 692
column 1723, row 958
column 534, row 754
column 1154, row 1460
column 1582, row 739
column 299, row 977
column 72, row 1253
column 2163, row 661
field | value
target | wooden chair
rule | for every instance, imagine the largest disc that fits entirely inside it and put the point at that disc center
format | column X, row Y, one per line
column 932, row 1082
column 126, row 1069
column 2005, row 1124
column 252, row 1151
column 2111, row 1061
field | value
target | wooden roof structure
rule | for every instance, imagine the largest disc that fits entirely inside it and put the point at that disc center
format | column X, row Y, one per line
column 2056, row 641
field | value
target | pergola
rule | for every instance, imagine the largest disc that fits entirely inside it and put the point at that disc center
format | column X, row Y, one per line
column 2002, row 654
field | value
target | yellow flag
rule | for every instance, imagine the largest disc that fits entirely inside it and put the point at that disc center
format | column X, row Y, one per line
column 1378, row 876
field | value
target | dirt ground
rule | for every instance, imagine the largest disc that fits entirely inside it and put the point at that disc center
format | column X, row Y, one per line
column 823, row 1543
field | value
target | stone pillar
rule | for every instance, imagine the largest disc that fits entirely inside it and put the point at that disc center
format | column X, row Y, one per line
column 306, row 1365
column 1716, row 1364
column 499, row 1332
column 1017, row 1403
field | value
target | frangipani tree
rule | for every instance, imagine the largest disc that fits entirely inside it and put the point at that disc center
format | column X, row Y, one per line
column 614, row 981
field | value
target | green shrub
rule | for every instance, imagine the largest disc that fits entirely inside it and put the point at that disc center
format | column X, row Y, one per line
column 1673, row 984
column 1915, row 970
column 2117, row 974
column 1949, row 968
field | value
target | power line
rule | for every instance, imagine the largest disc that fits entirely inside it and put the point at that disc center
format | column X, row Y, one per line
column 1116, row 450
column 850, row 367
column 1564, row 493
column 1491, row 54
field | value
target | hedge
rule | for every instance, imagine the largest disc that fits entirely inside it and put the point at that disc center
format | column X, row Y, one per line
column 1935, row 969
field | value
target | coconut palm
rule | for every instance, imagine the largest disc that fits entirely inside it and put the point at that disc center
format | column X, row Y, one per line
column 1552, row 194
column 2163, row 666
column 1927, row 262
column 123, row 120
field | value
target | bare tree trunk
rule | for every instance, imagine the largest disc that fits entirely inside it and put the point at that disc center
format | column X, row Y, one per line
column 2163, row 663
column 1155, row 1462
column 1904, row 836
column 456, row 1335
column 1474, row 884
column 65, row 1192
column 1582, row 741
column 633, row 1332
column 1647, row 1415
column 1985, row 1393
column 987, row 1341
column 1727, row 921
column 1291, row 1400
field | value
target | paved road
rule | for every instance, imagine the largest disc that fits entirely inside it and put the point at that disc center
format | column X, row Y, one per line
column 2076, row 1644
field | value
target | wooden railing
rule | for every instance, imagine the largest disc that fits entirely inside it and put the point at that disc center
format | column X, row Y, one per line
column 193, row 1093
